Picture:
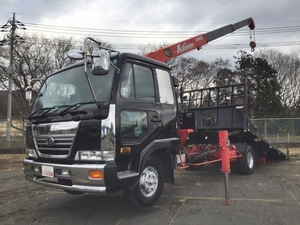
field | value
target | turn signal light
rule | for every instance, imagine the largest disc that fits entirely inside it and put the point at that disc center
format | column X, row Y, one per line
column 95, row 174
column 125, row 150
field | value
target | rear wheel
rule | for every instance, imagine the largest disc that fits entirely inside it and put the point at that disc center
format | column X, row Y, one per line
column 246, row 163
column 234, row 167
column 150, row 185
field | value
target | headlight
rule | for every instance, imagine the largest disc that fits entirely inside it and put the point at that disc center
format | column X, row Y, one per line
column 108, row 155
column 31, row 153
column 90, row 155
column 95, row 155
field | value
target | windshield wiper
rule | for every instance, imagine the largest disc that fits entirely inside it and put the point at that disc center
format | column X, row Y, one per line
column 74, row 106
column 34, row 116
column 48, row 109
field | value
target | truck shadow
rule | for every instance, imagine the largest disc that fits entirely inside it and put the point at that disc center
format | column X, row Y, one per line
column 105, row 209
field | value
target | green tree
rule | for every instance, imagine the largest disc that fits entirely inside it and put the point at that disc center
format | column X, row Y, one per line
column 263, row 88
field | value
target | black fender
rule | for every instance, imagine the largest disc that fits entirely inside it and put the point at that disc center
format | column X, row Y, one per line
column 240, row 146
column 160, row 148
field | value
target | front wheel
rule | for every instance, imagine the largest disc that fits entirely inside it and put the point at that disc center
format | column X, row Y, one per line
column 150, row 185
column 246, row 163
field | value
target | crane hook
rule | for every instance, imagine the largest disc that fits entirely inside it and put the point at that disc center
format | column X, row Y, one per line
column 252, row 45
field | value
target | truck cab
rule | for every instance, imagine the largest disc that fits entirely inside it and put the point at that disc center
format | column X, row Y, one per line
column 105, row 132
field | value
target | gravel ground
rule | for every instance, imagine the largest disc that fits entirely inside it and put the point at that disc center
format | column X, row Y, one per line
column 269, row 196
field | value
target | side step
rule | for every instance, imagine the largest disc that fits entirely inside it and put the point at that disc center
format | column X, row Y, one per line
column 127, row 174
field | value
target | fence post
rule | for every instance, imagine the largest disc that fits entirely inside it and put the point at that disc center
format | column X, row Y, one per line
column 265, row 128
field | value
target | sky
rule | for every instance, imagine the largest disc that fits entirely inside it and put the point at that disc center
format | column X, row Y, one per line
column 130, row 24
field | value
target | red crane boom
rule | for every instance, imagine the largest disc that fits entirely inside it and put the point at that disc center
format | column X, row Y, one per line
column 175, row 50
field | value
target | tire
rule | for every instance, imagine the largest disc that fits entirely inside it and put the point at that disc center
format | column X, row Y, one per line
column 246, row 163
column 234, row 167
column 151, row 183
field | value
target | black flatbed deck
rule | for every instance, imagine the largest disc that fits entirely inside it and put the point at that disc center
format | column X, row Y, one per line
column 223, row 108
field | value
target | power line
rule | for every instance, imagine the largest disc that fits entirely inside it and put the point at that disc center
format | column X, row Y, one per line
column 147, row 22
column 210, row 46
column 142, row 34
column 158, row 34
column 86, row 29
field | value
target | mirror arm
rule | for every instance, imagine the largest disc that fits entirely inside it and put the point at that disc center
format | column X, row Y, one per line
column 114, row 66
column 97, row 42
column 86, row 74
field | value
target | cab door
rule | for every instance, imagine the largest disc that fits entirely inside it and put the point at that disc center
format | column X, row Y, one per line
column 138, row 106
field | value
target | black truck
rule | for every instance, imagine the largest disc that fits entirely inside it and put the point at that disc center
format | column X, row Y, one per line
column 114, row 122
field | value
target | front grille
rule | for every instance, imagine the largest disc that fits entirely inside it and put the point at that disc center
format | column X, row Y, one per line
column 61, row 147
column 54, row 140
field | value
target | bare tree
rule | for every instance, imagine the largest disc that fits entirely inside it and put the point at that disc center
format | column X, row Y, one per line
column 183, row 70
column 91, row 46
column 288, row 76
column 37, row 58
column 58, row 48
column 194, row 74
column 150, row 47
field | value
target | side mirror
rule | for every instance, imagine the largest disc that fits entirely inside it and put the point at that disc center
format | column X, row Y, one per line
column 75, row 54
column 100, row 62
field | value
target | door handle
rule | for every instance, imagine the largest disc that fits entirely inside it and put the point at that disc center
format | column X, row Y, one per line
column 155, row 119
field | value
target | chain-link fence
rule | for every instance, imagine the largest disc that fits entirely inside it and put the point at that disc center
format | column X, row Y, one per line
column 279, row 130
column 274, row 130
column 17, row 138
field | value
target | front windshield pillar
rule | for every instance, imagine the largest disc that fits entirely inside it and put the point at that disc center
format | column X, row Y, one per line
column 108, row 132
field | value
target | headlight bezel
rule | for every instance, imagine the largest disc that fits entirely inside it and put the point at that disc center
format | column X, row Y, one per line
column 31, row 153
column 95, row 155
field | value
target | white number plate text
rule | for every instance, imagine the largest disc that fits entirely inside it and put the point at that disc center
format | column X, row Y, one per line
column 47, row 171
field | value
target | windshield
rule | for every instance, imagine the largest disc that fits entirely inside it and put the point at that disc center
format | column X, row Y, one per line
column 70, row 87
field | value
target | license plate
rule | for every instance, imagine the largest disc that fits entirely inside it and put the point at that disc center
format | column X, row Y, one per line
column 47, row 171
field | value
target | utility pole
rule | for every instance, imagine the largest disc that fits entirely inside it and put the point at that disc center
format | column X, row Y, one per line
column 13, row 24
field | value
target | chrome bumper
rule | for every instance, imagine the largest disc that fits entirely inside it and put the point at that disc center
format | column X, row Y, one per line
column 77, row 176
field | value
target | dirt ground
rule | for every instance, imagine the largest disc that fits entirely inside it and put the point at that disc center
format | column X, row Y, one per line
column 11, row 158
column 269, row 196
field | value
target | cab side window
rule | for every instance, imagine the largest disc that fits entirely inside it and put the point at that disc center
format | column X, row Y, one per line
column 127, row 82
column 137, row 83
column 165, row 87
column 134, row 125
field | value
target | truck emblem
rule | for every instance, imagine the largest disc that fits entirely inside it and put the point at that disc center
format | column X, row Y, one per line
column 50, row 141
column 168, row 52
